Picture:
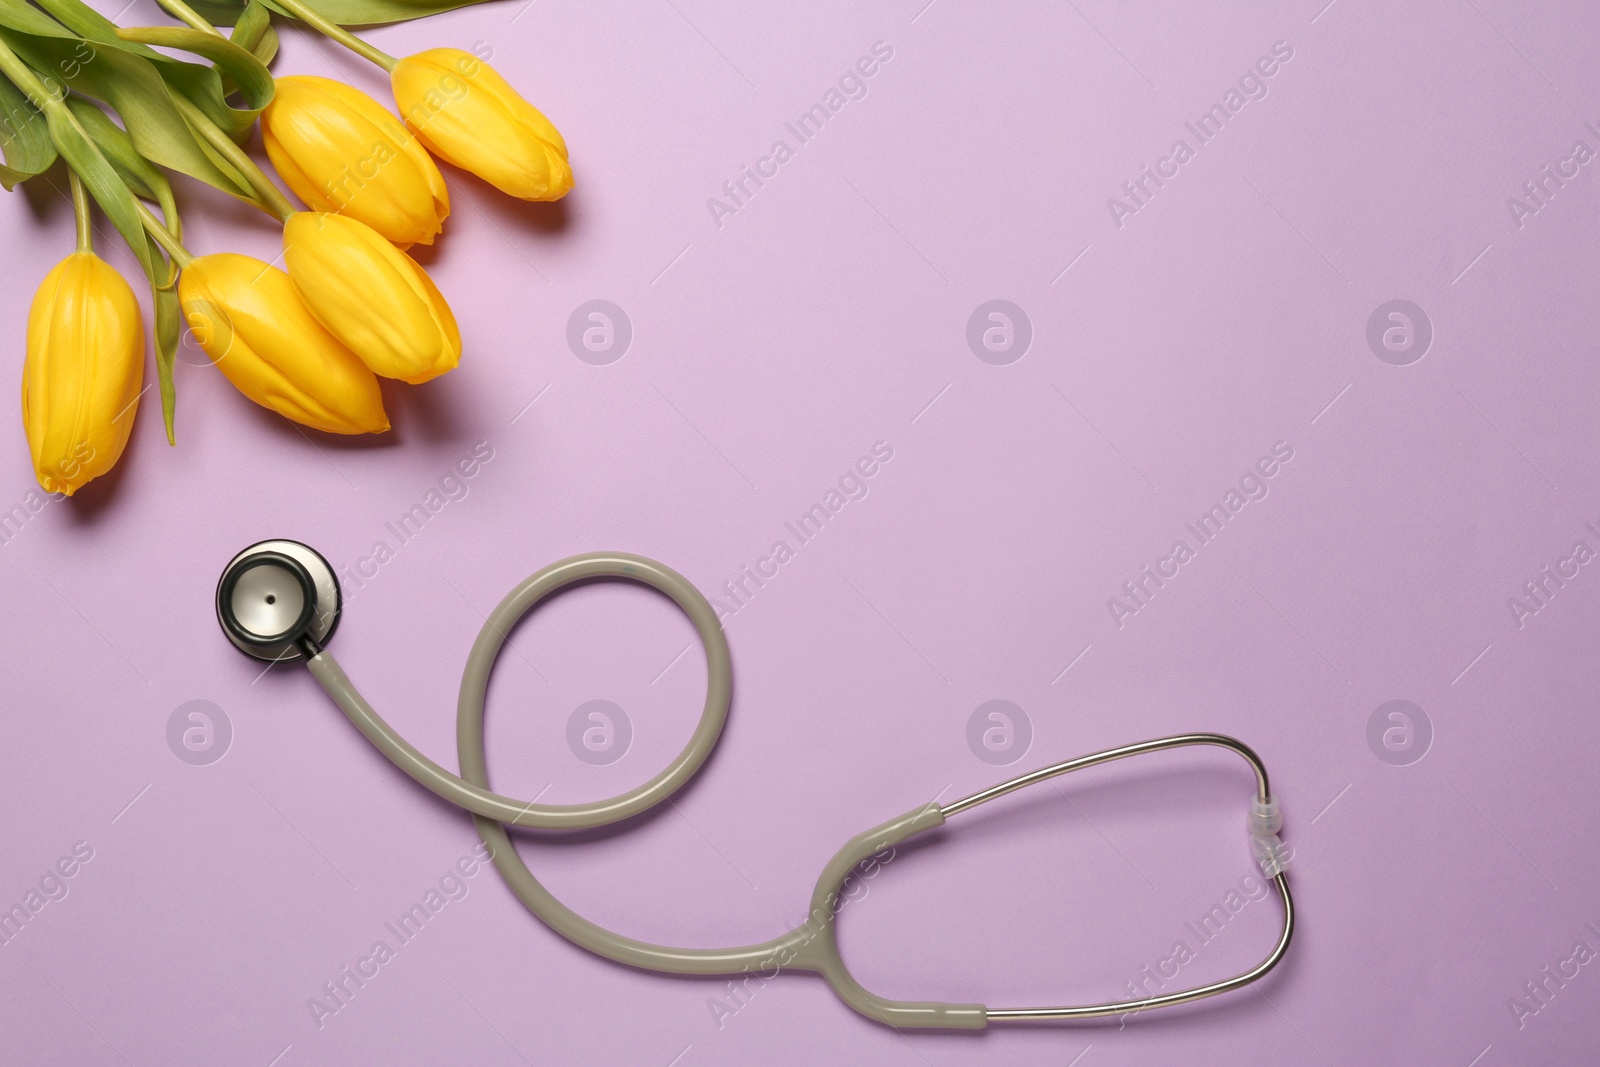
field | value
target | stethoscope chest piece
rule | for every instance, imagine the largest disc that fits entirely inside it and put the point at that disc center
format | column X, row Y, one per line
column 275, row 594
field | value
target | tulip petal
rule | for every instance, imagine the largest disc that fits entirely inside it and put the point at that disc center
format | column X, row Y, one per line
column 82, row 373
column 250, row 321
column 340, row 150
column 370, row 295
column 468, row 115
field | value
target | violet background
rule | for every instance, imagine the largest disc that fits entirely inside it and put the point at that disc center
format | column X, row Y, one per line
column 768, row 354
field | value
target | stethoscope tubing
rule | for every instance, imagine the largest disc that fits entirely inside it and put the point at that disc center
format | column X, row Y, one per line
column 812, row 946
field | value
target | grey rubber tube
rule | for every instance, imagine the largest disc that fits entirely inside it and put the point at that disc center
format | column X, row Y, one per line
column 472, row 793
column 812, row 946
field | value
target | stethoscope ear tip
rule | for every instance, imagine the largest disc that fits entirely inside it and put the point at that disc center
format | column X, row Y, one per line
column 277, row 599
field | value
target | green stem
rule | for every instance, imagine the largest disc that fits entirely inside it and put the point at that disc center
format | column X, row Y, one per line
column 269, row 196
column 187, row 15
column 338, row 33
column 80, row 211
column 163, row 236
column 24, row 78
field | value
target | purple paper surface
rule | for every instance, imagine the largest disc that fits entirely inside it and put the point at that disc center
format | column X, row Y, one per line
column 1340, row 346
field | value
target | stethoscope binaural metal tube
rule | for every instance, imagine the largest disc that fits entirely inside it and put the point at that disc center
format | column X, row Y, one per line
column 1165, row 1000
column 285, row 633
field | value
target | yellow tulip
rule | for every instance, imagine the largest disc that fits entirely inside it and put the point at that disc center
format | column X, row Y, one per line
column 83, row 372
column 248, row 318
column 470, row 116
column 340, row 150
column 371, row 296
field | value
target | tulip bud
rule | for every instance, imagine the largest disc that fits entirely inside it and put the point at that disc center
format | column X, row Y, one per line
column 83, row 372
column 248, row 318
column 371, row 296
column 340, row 150
column 468, row 115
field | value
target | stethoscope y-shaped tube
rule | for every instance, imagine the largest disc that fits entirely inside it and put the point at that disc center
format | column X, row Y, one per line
column 811, row 946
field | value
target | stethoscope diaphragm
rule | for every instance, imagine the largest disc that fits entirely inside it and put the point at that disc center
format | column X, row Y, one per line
column 275, row 594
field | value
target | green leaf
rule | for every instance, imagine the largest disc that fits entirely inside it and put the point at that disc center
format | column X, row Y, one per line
column 96, row 34
column 169, row 318
column 100, row 178
column 24, row 18
column 140, row 175
column 344, row 12
column 203, row 85
column 219, row 12
column 24, row 137
column 135, row 90
column 254, row 32
column 87, row 23
column 246, row 72
column 378, row 12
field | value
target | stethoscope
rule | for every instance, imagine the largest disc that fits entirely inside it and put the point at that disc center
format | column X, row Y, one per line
column 280, row 601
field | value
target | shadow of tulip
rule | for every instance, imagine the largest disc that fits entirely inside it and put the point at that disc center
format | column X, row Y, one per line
column 433, row 411
column 512, row 217
column 232, row 215
column 234, row 224
column 101, row 496
column 428, row 255
column 47, row 198
column 86, row 507
column 550, row 219
column 294, row 435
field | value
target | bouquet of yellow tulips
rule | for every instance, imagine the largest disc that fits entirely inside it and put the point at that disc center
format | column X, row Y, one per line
column 350, row 306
